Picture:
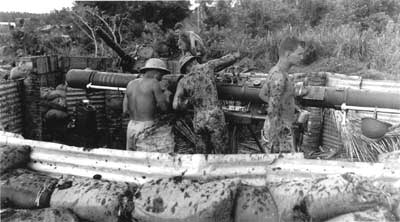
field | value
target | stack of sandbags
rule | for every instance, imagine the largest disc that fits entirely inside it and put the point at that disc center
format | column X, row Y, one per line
column 185, row 200
column 328, row 197
column 38, row 215
column 54, row 108
column 55, row 100
column 94, row 200
column 21, row 188
column 12, row 157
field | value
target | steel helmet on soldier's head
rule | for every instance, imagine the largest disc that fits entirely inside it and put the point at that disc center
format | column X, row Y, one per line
column 183, row 61
column 156, row 64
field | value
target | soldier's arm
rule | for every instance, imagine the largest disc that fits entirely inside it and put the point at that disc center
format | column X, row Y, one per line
column 276, row 91
column 125, row 111
column 179, row 101
column 224, row 61
column 125, row 106
column 264, row 93
column 160, row 97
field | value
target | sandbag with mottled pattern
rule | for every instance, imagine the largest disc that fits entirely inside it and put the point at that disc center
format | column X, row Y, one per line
column 94, row 200
column 39, row 215
column 22, row 188
column 185, row 200
column 12, row 157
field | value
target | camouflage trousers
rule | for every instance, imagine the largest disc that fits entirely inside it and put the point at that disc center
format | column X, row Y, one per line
column 150, row 136
column 278, row 135
column 211, row 131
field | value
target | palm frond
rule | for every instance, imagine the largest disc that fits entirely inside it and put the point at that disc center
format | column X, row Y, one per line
column 357, row 146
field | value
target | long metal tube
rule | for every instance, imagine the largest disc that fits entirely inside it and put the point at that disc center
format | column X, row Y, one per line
column 317, row 96
column 335, row 97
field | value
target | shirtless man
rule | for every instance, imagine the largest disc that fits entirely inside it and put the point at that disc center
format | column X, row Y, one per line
column 199, row 89
column 144, row 100
column 278, row 92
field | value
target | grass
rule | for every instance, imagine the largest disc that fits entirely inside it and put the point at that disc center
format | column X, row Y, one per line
column 342, row 49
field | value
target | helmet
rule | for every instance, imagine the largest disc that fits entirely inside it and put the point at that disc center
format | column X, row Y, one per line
column 373, row 128
column 157, row 64
column 184, row 60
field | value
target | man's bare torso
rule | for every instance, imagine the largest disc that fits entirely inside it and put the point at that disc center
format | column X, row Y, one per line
column 141, row 102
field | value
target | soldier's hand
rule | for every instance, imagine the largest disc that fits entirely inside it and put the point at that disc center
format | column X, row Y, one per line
column 237, row 54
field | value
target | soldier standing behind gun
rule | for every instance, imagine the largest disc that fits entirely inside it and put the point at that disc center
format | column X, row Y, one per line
column 143, row 101
column 190, row 43
column 278, row 92
column 199, row 89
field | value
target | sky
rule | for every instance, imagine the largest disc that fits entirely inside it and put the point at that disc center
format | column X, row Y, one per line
column 34, row 6
column 46, row 6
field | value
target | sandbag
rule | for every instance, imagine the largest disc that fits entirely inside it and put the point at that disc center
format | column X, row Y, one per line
column 374, row 214
column 288, row 195
column 22, row 70
column 12, row 157
column 255, row 204
column 22, row 188
column 114, row 100
column 62, row 87
column 39, row 215
column 336, row 195
column 185, row 200
column 55, row 94
column 18, row 73
column 59, row 103
column 55, row 114
column 94, row 200
column 45, row 91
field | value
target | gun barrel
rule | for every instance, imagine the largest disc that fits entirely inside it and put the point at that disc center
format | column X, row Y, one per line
column 317, row 96
column 111, row 43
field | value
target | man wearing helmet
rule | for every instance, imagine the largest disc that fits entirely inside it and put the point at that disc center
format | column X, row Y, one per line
column 189, row 42
column 199, row 89
column 144, row 100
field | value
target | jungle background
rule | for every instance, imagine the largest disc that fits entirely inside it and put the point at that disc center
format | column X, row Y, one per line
column 359, row 37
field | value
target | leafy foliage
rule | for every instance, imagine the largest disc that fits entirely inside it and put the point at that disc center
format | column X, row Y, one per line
column 346, row 35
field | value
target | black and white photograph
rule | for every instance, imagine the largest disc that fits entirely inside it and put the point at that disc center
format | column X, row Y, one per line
column 200, row 111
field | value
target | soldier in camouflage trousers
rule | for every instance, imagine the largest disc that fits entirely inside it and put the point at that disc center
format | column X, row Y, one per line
column 278, row 92
column 198, row 88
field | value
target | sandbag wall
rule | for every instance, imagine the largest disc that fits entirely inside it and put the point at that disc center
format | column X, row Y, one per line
column 45, row 73
column 11, row 112
column 297, row 196
column 116, row 123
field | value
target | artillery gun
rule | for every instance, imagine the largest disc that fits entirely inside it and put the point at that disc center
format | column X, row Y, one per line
column 247, row 90
column 127, row 62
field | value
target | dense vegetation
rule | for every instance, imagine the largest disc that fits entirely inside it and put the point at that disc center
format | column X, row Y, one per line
column 348, row 36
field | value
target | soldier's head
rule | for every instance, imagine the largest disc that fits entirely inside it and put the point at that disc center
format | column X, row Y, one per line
column 178, row 28
column 155, row 68
column 292, row 50
column 184, row 42
column 186, row 63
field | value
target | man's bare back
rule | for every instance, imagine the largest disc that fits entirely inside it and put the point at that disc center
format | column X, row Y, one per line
column 142, row 98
